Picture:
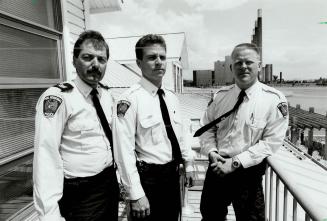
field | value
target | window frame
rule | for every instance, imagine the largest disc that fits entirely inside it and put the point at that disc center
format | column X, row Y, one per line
column 30, row 27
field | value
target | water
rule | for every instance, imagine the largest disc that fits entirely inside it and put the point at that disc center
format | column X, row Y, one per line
column 307, row 97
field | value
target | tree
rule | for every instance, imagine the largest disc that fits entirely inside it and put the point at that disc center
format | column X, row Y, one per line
column 275, row 77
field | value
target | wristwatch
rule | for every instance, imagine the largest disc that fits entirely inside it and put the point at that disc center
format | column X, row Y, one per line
column 236, row 162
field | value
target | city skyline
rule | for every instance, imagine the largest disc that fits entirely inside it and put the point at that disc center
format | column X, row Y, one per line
column 293, row 30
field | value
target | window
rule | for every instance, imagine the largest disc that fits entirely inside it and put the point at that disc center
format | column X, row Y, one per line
column 42, row 12
column 30, row 43
column 30, row 61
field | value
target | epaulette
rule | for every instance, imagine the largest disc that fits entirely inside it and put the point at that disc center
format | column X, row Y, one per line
column 64, row 87
column 104, row 86
column 132, row 89
column 272, row 91
column 224, row 89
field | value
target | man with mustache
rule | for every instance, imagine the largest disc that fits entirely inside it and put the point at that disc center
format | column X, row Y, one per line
column 245, row 123
column 74, row 171
column 149, row 142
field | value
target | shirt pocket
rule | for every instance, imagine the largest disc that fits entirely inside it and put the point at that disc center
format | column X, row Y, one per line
column 151, row 129
column 82, row 125
column 84, row 133
column 255, row 128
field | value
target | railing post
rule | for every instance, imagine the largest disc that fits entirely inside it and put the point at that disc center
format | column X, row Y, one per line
column 310, row 136
column 187, row 209
column 294, row 130
column 285, row 204
column 267, row 184
column 325, row 147
column 302, row 137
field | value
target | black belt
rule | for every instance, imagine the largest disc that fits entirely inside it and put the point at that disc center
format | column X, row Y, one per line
column 91, row 179
column 143, row 166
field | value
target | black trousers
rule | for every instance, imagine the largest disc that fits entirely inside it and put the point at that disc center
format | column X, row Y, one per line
column 161, row 187
column 243, row 188
column 92, row 198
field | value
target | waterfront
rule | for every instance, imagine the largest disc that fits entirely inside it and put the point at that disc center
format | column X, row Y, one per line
column 307, row 97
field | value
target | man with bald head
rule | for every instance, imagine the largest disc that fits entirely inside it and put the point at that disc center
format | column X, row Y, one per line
column 245, row 124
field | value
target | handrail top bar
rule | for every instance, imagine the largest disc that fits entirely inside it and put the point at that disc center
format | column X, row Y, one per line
column 303, row 188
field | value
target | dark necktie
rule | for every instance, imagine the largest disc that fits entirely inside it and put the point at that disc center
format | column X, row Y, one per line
column 222, row 117
column 177, row 156
column 103, row 119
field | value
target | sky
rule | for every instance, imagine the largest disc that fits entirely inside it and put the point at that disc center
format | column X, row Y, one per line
column 294, row 31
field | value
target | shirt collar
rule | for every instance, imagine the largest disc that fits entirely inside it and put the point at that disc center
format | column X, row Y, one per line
column 84, row 88
column 149, row 87
column 250, row 92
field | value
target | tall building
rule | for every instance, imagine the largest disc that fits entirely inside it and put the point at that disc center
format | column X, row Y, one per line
column 268, row 73
column 257, row 35
column 223, row 74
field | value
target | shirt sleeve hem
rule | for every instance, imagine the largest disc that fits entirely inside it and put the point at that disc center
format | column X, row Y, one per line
column 245, row 159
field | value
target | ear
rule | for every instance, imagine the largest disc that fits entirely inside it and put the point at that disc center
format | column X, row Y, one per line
column 259, row 65
column 138, row 62
column 74, row 61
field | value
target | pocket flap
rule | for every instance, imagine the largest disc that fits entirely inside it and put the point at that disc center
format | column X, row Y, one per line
column 149, row 121
column 79, row 125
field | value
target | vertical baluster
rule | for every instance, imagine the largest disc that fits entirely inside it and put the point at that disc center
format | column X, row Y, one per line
column 271, row 194
column 277, row 199
column 267, row 183
column 285, row 204
column 294, row 209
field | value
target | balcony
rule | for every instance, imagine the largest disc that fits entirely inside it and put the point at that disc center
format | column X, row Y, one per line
column 294, row 184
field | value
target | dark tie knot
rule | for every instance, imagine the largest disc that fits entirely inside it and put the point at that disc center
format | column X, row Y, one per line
column 160, row 92
column 242, row 94
column 94, row 92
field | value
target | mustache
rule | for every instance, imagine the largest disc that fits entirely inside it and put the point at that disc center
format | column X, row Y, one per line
column 94, row 70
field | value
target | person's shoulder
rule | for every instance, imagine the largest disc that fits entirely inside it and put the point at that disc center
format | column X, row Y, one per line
column 220, row 93
column 54, row 97
column 170, row 91
column 223, row 90
column 273, row 93
column 59, row 89
column 64, row 86
column 127, row 94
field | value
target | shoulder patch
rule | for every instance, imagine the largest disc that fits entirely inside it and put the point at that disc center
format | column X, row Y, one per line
column 283, row 108
column 51, row 104
column 104, row 86
column 122, row 107
column 64, row 86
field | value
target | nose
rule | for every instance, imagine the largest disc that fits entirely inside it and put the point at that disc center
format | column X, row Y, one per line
column 95, row 62
column 243, row 65
column 158, row 61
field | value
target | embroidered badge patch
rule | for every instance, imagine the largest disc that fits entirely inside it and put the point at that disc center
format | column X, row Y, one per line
column 122, row 107
column 283, row 108
column 51, row 104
